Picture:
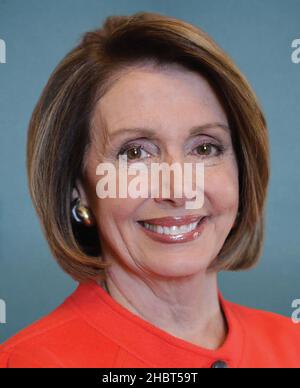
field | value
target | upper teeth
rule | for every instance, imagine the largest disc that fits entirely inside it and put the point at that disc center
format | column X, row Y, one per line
column 172, row 230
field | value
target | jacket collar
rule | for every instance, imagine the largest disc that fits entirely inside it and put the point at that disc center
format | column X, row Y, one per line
column 149, row 343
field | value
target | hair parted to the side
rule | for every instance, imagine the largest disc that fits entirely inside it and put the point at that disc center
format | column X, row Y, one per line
column 59, row 132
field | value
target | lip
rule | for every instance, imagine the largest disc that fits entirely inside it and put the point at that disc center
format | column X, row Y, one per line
column 173, row 221
column 179, row 238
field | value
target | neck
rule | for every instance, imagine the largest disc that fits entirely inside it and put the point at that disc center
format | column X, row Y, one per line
column 186, row 307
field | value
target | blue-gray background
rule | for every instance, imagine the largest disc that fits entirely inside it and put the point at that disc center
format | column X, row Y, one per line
column 258, row 36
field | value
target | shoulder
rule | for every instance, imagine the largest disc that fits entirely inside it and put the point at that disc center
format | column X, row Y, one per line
column 65, row 338
column 265, row 323
column 29, row 344
column 268, row 339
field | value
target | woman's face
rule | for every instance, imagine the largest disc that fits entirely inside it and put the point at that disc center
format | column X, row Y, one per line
column 170, row 101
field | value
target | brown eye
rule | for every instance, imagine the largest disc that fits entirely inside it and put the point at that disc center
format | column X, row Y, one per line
column 134, row 153
column 204, row 149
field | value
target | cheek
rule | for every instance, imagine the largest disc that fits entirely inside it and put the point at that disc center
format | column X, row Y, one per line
column 114, row 218
column 110, row 212
column 222, row 188
column 116, row 210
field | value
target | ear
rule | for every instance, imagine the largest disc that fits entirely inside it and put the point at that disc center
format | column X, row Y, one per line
column 80, row 192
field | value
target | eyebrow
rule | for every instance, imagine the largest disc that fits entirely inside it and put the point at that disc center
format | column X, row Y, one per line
column 152, row 134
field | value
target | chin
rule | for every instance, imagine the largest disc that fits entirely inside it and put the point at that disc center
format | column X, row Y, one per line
column 178, row 265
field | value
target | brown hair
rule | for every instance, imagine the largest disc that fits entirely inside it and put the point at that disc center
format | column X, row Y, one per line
column 59, row 132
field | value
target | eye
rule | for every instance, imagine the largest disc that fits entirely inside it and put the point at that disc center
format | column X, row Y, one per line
column 206, row 149
column 134, row 152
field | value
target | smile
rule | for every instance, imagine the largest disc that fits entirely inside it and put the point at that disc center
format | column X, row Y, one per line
column 173, row 229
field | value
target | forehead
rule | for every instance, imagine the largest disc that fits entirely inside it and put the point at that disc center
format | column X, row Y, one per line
column 170, row 99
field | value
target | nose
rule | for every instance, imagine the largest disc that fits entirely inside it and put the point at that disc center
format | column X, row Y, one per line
column 169, row 199
column 170, row 202
column 171, row 193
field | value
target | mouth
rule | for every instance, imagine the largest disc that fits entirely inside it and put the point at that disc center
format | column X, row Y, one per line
column 174, row 229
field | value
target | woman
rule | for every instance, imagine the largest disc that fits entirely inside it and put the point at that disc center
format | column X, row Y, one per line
column 151, row 89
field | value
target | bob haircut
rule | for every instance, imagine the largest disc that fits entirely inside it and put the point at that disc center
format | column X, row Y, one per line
column 60, row 133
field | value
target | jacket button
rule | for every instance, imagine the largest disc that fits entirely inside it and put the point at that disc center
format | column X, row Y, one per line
column 219, row 365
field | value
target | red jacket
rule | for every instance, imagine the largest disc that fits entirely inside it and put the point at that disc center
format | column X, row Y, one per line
column 90, row 329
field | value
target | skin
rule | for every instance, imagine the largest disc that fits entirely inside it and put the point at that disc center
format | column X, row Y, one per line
column 167, row 285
